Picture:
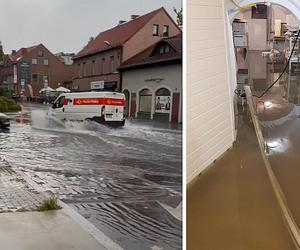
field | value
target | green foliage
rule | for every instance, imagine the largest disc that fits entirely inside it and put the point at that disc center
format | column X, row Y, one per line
column 1, row 53
column 49, row 204
column 4, row 92
column 8, row 105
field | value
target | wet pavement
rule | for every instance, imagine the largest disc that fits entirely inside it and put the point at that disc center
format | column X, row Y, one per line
column 122, row 180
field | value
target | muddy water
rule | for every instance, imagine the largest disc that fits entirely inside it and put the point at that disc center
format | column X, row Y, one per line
column 122, row 180
column 280, row 124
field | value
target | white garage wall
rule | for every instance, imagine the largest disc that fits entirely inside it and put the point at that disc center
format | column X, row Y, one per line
column 210, row 128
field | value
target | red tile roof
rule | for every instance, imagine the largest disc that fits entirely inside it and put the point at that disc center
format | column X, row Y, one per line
column 147, row 57
column 14, row 57
column 116, row 36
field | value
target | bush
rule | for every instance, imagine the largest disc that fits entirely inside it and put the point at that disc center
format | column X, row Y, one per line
column 49, row 204
column 4, row 92
column 8, row 105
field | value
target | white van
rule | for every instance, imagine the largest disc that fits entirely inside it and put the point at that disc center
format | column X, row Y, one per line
column 102, row 107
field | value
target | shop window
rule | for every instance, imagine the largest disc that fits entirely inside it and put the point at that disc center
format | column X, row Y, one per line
column 163, row 101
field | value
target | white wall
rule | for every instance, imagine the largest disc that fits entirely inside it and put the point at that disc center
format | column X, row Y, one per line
column 257, row 31
column 138, row 79
column 210, row 123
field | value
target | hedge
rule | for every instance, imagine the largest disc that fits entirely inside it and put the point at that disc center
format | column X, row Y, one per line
column 8, row 105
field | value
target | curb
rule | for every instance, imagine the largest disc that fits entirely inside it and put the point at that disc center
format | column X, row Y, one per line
column 86, row 225
column 290, row 221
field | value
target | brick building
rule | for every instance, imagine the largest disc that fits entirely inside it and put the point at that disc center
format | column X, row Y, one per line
column 100, row 58
column 27, row 70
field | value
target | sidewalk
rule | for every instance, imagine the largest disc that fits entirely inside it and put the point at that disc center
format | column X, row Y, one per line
column 232, row 205
column 43, row 230
column 23, row 228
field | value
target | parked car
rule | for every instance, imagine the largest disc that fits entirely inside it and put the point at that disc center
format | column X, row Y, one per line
column 4, row 121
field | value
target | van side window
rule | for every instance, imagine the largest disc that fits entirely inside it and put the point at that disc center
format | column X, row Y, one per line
column 60, row 102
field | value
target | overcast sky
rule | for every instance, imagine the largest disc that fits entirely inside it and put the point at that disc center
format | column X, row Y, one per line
column 66, row 25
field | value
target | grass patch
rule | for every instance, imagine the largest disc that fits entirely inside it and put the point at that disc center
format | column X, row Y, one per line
column 49, row 204
column 8, row 105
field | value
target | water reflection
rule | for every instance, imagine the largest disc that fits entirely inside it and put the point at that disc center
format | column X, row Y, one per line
column 279, row 113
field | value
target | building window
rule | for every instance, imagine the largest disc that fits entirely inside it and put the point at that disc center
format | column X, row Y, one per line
column 83, row 69
column 167, row 49
column 34, row 77
column 166, row 31
column 102, row 65
column 79, row 70
column 46, row 62
column 162, row 49
column 112, row 64
column 93, row 67
column 155, row 31
column 34, row 61
column 40, row 53
column 46, row 79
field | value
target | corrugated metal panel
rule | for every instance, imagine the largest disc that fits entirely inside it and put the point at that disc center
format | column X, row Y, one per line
column 209, row 118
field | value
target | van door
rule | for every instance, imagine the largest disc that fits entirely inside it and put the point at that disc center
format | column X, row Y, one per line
column 58, row 108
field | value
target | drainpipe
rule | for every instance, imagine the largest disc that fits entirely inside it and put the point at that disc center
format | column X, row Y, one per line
column 120, row 72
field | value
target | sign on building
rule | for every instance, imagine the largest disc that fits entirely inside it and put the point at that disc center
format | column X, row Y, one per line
column 25, row 73
column 97, row 85
column 15, row 74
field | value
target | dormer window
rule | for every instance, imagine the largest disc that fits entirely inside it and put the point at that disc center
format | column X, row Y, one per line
column 155, row 31
column 163, row 48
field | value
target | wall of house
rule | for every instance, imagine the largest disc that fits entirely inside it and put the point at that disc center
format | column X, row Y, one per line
column 210, row 119
column 144, row 38
column 92, row 68
column 138, row 79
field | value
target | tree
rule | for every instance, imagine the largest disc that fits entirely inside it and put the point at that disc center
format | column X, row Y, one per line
column 1, row 53
column 178, row 16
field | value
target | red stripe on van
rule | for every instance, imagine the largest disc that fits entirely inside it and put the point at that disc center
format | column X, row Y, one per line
column 99, row 101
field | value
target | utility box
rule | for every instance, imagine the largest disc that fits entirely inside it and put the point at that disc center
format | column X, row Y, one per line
column 240, row 33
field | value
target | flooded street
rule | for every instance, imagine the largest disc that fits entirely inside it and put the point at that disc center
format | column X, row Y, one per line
column 126, row 181
column 280, row 123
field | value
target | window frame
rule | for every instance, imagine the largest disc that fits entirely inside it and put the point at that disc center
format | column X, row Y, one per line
column 155, row 30
column 34, row 61
column 167, row 31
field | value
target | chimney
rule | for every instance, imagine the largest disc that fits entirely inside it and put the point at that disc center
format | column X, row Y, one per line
column 13, row 52
column 134, row 17
column 121, row 22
